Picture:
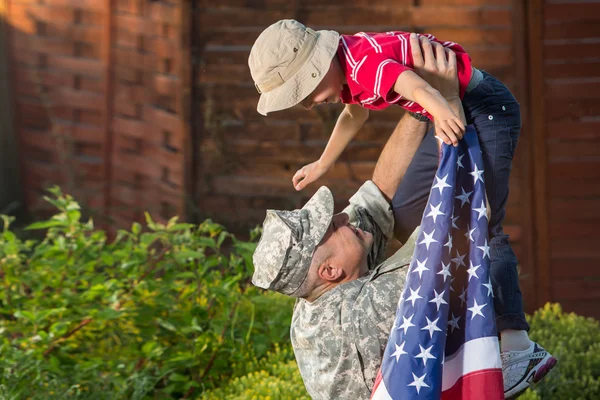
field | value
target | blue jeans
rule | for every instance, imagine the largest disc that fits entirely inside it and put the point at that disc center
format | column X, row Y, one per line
column 494, row 112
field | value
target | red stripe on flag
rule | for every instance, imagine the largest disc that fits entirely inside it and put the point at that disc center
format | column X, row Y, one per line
column 377, row 381
column 484, row 384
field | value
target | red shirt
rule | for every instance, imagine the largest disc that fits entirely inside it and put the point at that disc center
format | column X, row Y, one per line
column 372, row 63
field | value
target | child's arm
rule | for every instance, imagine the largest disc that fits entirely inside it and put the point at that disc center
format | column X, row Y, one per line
column 447, row 125
column 347, row 126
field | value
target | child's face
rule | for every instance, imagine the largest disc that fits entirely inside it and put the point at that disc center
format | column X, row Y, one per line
column 328, row 91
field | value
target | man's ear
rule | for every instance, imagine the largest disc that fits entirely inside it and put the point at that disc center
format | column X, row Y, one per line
column 329, row 272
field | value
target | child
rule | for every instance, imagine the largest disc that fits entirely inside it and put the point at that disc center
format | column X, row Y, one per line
column 292, row 64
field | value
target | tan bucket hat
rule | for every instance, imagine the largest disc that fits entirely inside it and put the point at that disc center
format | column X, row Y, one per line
column 287, row 62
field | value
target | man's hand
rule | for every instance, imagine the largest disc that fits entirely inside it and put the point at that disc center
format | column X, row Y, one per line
column 308, row 174
column 436, row 65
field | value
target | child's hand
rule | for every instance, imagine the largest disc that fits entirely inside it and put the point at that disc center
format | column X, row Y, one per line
column 308, row 174
column 449, row 128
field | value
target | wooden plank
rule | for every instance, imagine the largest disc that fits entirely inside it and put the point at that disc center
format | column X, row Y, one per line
column 574, row 150
column 572, row 68
column 537, row 113
column 575, row 269
column 571, row 51
column 586, row 88
column 581, row 289
column 574, row 209
column 575, row 249
column 582, row 307
column 570, row 187
column 108, row 61
column 575, row 108
column 588, row 130
column 571, row 30
column 570, row 11
column 574, row 170
column 574, row 227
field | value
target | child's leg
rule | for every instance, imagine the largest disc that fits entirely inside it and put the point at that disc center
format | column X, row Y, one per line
column 495, row 113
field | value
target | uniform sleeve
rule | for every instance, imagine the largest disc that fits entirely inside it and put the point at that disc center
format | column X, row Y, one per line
column 371, row 212
column 378, row 74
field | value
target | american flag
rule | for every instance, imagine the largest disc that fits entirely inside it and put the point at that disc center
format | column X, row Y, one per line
column 444, row 342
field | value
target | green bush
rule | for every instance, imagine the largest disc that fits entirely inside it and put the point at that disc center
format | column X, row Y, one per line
column 575, row 342
column 158, row 312
column 168, row 311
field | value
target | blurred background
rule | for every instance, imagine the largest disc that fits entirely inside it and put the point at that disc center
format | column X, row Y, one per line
column 143, row 105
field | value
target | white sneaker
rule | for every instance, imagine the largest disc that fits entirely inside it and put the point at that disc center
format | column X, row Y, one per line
column 522, row 368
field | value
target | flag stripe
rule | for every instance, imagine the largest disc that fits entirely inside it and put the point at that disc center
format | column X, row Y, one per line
column 486, row 384
column 461, row 363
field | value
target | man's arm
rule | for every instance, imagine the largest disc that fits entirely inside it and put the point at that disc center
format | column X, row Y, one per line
column 397, row 155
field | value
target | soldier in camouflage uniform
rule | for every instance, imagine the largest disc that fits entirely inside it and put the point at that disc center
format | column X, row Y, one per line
column 333, row 264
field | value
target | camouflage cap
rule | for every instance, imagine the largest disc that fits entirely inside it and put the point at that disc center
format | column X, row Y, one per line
column 285, row 250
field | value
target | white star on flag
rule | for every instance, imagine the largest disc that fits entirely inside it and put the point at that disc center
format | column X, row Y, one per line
column 449, row 244
column 473, row 270
column 438, row 299
column 462, row 296
column 399, row 351
column 425, row 354
column 440, row 184
column 418, row 382
column 428, row 239
column 459, row 260
column 464, row 197
column 454, row 219
column 445, row 271
column 482, row 211
column 476, row 174
column 431, row 326
column 469, row 233
column 414, row 296
column 407, row 323
column 489, row 287
column 459, row 162
column 421, row 268
column 435, row 211
column 476, row 309
column 486, row 249
column 454, row 323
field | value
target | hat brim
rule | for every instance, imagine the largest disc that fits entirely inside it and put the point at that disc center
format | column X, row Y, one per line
column 299, row 86
column 320, row 208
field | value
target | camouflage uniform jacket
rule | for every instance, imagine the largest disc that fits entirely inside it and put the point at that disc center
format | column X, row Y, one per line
column 339, row 338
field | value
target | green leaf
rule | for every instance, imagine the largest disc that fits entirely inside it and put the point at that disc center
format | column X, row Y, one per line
column 25, row 315
column 136, row 228
column 108, row 314
column 178, row 377
column 45, row 224
column 183, row 257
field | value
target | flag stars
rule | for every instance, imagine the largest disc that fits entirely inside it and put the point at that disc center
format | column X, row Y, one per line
column 435, row 211
column 454, row 219
column 459, row 163
column 473, row 270
column 428, row 239
column 481, row 211
column 414, row 296
column 425, row 354
column 445, row 272
column 469, row 233
column 463, row 296
column 438, row 299
column 459, row 260
column 489, row 287
column 477, row 174
column 440, row 184
column 407, row 323
column 464, row 197
column 399, row 351
column 431, row 327
column 476, row 309
column 449, row 244
column 453, row 323
column 421, row 268
column 486, row 249
column 418, row 383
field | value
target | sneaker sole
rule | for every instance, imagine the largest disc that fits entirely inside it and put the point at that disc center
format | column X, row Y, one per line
column 535, row 375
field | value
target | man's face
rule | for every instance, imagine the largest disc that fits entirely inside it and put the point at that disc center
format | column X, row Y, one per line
column 347, row 245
